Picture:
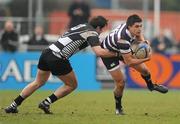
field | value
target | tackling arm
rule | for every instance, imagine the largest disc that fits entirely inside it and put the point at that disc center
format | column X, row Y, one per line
column 103, row 52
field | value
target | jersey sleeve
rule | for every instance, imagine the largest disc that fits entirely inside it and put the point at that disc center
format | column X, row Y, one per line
column 93, row 38
column 93, row 41
column 124, row 46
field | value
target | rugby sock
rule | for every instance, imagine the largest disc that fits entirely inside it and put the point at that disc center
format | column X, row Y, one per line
column 52, row 98
column 17, row 101
column 13, row 104
column 118, row 102
column 148, row 81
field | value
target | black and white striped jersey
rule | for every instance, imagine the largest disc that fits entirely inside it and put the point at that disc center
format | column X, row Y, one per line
column 77, row 38
column 118, row 40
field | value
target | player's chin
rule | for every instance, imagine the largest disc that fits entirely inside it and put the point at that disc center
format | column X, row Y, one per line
column 138, row 34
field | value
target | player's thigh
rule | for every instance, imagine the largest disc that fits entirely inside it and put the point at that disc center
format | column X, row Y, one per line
column 117, row 75
column 141, row 68
column 69, row 79
column 112, row 65
column 42, row 76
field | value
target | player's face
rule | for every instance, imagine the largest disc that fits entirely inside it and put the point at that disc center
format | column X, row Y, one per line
column 136, row 29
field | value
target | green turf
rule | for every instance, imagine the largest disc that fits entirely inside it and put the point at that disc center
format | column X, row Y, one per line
column 96, row 107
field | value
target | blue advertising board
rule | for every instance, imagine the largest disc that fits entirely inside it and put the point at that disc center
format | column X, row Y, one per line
column 19, row 69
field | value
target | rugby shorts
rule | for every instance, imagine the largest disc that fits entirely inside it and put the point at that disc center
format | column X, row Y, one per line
column 49, row 62
column 112, row 63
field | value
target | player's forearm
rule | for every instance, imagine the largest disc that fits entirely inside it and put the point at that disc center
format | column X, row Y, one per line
column 106, row 53
column 103, row 52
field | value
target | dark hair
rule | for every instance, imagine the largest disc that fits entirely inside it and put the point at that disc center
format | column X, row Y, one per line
column 133, row 19
column 98, row 21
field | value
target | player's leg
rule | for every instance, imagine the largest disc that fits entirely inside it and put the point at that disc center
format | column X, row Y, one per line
column 41, row 78
column 119, row 81
column 145, row 74
column 112, row 65
column 62, row 69
column 70, row 84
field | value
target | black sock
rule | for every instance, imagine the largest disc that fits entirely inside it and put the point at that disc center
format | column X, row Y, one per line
column 51, row 99
column 148, row 81
column 118, row 102
column 17, row 101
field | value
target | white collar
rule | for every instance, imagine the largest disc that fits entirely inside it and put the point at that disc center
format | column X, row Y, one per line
column 129, row 34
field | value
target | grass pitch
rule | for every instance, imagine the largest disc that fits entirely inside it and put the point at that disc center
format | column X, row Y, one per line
column 95, row 107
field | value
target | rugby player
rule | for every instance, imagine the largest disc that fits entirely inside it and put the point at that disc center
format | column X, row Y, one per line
column 54, row 59
column 120, row 40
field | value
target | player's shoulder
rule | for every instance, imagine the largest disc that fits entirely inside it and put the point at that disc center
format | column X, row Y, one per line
column 125, row 34
column 82, row 28
column 90, row 28
column 79, row 27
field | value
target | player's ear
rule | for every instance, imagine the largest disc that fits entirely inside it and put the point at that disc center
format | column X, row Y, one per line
column 128, row 27
column 98, row 29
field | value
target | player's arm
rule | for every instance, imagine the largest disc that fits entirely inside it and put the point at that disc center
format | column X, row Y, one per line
column 93, row 40
column 103, row 52
column 130, row 60
column 126, row 52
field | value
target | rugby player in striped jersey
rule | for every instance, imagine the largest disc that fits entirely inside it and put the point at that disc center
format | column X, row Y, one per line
column 120, row 40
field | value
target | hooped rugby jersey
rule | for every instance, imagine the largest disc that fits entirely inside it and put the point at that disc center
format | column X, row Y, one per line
column 74, row 40
column 118, row 40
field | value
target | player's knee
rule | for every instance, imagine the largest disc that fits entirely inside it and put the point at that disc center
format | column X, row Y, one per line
column 120, row 83
column 37, row 84
column 73, row 85
column 145, row 72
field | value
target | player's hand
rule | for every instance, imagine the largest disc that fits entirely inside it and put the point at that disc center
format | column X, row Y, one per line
column 150, row 50
column 149, row 55
column 147, row 42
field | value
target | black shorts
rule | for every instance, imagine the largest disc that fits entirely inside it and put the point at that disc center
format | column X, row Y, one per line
column 49, row 62
column 112, row 63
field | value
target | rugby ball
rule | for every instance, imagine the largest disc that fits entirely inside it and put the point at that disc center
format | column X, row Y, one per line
column 142, row 50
